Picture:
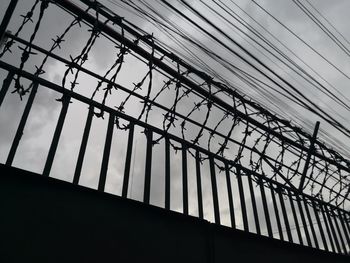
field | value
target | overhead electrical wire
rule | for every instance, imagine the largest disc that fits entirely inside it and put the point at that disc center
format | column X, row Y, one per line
column 314, row 19
column 289, row 91
column 284, row 46
column 308, row 104
column 323, row 89
column 328, row 22
column 170, row 28
column 238, row 72
column 310, row 79
column 303, row 41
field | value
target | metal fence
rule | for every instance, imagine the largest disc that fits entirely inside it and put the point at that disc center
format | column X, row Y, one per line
column 275, row 179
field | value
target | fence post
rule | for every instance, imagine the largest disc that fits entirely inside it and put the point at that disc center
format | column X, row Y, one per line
column 309, row 153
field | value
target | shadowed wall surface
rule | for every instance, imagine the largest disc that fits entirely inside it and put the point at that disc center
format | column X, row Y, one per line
column 46, row 220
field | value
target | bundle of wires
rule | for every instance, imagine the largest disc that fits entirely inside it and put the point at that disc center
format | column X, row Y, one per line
column 227, row 41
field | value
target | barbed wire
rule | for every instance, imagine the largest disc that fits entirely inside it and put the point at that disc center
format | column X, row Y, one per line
column 262, row 151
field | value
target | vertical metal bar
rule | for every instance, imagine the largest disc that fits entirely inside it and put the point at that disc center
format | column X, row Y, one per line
column 230, row 196
column 106, row 152
column 306, row 231
column 285, row 216
column 347, row 220
column 199, row 185
column 5, row 86
column 278, row 220
column 266, row 208
column 319, row 225
column 242, row 199
column 310, row 222
column 336, row 241
column 308, row 158
column 57, row 134
column 327, row 227
column 22, row 124
column 148, row 167
column 167, row 173
column 338, row 230
column 344, row 225
column 295, row 217
column 7, row 17
column 214, row 190
column 128, row 160
column 345, row 230
column 184, row 180
column 347, row 225
column 255, row 210
column 83, row 145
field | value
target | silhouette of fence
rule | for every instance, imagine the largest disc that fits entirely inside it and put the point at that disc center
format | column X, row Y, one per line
column 285, row 178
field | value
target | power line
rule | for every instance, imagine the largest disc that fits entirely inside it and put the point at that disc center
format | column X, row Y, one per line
column 322, row 27
column 303, row 41
column 308, row 104
column 224, row 62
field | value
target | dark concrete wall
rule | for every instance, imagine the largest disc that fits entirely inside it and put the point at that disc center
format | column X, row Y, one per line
column 46, row 220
